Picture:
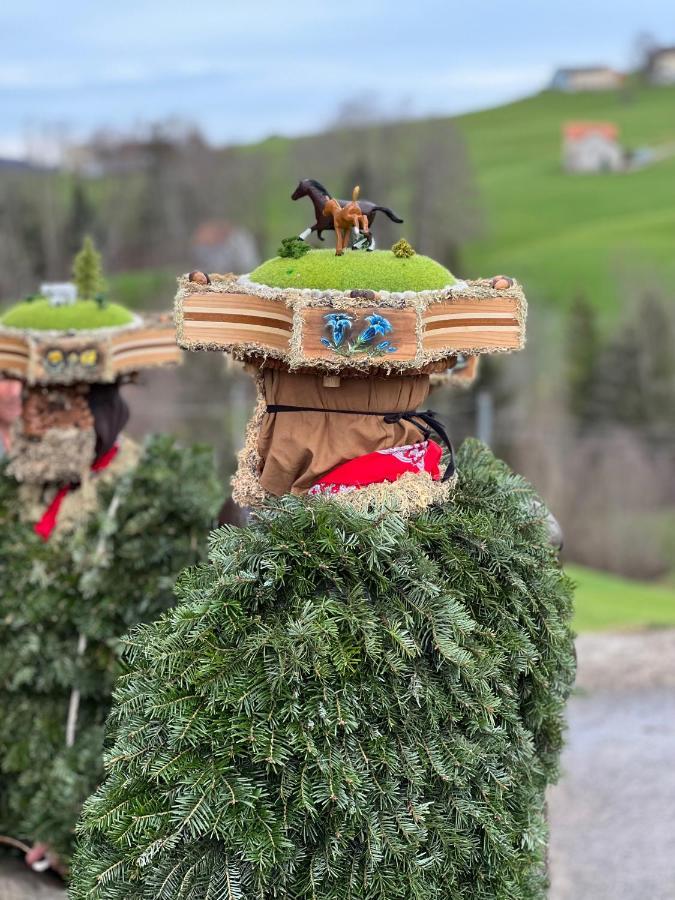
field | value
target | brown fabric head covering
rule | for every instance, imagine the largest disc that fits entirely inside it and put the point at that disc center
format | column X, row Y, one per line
column 297, row 448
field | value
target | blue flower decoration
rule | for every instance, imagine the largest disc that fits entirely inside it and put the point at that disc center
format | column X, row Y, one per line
column 377, row 325
column 385, row 347
column 339, row 324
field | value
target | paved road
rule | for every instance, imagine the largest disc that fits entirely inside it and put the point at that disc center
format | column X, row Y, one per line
column 17, row 882
column 613, row 814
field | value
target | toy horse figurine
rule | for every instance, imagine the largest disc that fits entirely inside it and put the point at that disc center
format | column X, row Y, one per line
column 319, row 195
column 346, row 218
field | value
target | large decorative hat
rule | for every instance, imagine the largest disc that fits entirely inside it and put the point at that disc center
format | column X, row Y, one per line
column 72, row 349
column 318, row 321
column 70, row 333
column 42, row 343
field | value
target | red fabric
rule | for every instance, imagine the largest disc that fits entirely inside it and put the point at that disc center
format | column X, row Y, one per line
column 383, row 465
column 48, row 521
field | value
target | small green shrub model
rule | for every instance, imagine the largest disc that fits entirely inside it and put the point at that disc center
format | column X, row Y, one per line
column 293, row 248
column 403, row 249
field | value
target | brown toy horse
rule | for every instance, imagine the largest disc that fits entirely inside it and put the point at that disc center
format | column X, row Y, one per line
column 345, row 218
column 319, row 195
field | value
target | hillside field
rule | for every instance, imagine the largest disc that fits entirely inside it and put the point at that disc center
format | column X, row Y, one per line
column 603, row 235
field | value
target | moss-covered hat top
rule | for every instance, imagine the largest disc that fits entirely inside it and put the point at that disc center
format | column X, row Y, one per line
column 387, row 311
column 66, row 335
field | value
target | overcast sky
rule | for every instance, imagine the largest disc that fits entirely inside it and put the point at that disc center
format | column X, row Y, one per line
column 244, row 70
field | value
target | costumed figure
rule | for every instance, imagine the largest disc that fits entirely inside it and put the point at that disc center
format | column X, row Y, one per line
column 93, row 531
column 360, row 696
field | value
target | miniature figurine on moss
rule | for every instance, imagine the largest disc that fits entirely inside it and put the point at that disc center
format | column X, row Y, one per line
column 93, row 531
column 346, row 220
column 360, row 696
column 319, row 196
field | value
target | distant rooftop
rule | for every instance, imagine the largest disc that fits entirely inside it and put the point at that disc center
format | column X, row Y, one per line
column 574, row 131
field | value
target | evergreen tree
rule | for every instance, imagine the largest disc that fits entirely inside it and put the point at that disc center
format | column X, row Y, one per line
column 582, row 352
column 63, row 608
column 88, row 271
column 344, row 707
column 80, row 219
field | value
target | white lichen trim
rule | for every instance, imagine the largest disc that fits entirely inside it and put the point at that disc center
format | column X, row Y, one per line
column 246, row 487
column 336, row 299
column 409, row 495
column 50, row 335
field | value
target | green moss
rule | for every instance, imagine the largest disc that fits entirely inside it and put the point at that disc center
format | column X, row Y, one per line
column 379, row 270
column 85, row 314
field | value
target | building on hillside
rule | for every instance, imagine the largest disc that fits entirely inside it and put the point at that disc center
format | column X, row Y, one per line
column 592, row 147
column 589, row 78
column 660, row 68
column 219, row 246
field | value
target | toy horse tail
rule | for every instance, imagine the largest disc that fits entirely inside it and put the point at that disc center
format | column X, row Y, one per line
column 355, row 193
column 388, row 212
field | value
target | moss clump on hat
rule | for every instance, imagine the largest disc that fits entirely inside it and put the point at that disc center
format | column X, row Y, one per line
column 88, row 312
column 40, row 315
column 380, row 270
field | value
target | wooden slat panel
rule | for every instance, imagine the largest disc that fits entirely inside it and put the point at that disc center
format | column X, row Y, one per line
column 403, row 335
column 468, row 325
column 225, row 334
column 14, row 355
column 226, row 319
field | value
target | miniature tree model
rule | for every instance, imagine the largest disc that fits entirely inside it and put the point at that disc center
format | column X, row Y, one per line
column 360, row 696
column 87, row 271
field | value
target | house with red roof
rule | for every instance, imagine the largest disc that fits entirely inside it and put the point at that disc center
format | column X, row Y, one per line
column 592, row 147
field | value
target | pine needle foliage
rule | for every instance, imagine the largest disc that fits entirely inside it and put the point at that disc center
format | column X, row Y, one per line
column 343, row 707
column 118, row 569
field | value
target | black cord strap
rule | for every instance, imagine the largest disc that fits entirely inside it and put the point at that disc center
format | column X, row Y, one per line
column 426, row 422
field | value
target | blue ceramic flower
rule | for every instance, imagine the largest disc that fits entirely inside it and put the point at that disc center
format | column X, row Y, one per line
column 385, row 347
column 339, row 324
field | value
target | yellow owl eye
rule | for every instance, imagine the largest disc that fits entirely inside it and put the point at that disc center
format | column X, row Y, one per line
column 89, row 358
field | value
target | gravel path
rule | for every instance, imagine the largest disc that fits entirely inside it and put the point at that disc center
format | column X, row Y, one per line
column 613, row 814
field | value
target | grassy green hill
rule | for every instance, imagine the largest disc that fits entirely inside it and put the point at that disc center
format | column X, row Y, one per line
column 600, row 234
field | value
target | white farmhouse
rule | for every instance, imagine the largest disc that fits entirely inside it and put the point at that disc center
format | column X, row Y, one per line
column 588, row 78
column 661, row 66
column 592, row 147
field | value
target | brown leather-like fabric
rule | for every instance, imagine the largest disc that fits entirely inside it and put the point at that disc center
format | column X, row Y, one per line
column 297, row 448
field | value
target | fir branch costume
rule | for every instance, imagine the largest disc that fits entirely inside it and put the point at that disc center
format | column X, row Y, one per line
column 114, row 569
column 93, row 532
column 353, row 700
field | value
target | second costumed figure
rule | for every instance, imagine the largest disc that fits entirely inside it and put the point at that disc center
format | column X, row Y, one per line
column 360, row 696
